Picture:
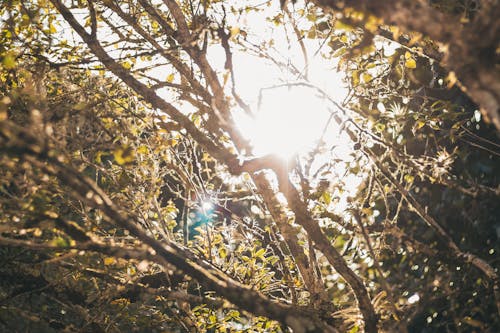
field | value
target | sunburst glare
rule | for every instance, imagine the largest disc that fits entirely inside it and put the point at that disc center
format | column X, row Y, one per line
column 290, row 120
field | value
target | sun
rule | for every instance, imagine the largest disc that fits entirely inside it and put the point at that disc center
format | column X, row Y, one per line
column 289, row 115
column 290, row 120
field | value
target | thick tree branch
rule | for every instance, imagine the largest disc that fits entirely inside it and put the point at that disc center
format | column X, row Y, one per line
column 17, row 141
column 289, row 233
column 303, row 217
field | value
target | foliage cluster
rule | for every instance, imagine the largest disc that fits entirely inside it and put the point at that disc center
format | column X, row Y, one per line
column 130, row 201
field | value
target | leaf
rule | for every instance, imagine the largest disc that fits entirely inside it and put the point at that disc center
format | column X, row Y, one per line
column 52, row 28
column 339, row 25
column 172, row 142
column 234, row 31
column 196, row 118
column 409, row 178
column 355, row 78
column 9, row 61
column 326, row 197
column 419, row 124
column 222, row 252
column 451, row 79
column 379, row 127
column 127, row 65
column 4, row 106
column 59, row 242
column 124, row 155
column 260, row 253
column 170, row 78
column 411, row 63
column 142, row 150
column 98, row 156
column 311, row 34
column 367, row 77
column 355, row 329
column 109, row 261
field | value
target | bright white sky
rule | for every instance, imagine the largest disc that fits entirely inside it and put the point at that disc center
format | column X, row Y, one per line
column 289, row 120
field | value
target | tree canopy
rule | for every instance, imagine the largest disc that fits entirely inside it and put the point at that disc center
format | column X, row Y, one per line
column 249, row 166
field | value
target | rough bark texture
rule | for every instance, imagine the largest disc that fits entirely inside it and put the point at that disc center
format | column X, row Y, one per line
column 470, row 48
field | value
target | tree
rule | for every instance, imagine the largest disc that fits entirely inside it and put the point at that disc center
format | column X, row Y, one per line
column 133, row 201
column 467, row 31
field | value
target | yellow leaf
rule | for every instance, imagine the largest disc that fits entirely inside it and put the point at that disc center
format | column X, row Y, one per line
column 59, row 242
column 5, row 101
column 339, row 25
column 9, row 61
column 124, row 155
column 326, row 197
column 419, row 124
column 407, row 55
column 222, row 252
column 234, row 31
column 395, row 32
column 196, row 118
column 451, row 79
column 372, row 23
column 260, row 253
column 172, row 142
column 170, row 78
column 410, row 63
column 355, row 78
column 142, row 150
column 109, row 261
column 98, row 156
column 52, row 28
column 409, row 179
column 206, row 158
column 367, row 77
column 415, row 39
column 51, row 214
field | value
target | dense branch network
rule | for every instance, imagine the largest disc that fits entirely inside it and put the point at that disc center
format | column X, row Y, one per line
column 181, row 41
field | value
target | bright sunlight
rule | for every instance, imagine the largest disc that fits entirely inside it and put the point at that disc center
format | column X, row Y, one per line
column 290, row 120
column 287, row 116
